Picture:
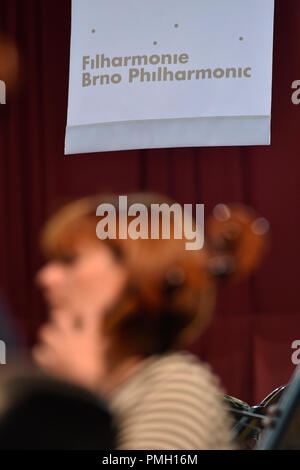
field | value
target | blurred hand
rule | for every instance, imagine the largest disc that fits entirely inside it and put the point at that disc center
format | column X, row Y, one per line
column 70, row 347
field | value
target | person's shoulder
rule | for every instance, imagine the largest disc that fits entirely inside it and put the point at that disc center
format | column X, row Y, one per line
column 175, row 375
column 180, row 361
column 190, row 390
column 183, row 367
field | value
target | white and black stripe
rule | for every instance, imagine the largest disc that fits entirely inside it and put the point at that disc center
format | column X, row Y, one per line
column 174, row 402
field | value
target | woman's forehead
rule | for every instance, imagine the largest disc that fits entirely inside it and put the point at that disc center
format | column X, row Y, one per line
column 70, row 237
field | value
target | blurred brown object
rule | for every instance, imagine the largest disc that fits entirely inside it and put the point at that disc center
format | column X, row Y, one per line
column 237, row 238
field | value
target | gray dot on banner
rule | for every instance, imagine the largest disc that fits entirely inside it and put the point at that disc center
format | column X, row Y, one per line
column 241, row 38
column 93, row 31
column 155, row 43
column 176, row 25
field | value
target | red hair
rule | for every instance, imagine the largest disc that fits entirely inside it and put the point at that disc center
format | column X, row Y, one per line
column 169, row 295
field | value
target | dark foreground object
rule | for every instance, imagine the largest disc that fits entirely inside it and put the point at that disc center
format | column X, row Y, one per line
column 40, row 413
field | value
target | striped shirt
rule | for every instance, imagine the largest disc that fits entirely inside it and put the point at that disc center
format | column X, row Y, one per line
column 174, row 402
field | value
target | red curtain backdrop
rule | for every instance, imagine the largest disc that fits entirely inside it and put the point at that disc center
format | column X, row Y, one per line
column 249, row 342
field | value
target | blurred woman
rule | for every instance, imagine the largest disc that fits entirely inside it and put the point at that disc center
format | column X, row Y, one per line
column 121, row 313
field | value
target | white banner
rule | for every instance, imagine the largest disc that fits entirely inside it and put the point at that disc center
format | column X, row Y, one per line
column 169, row 73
